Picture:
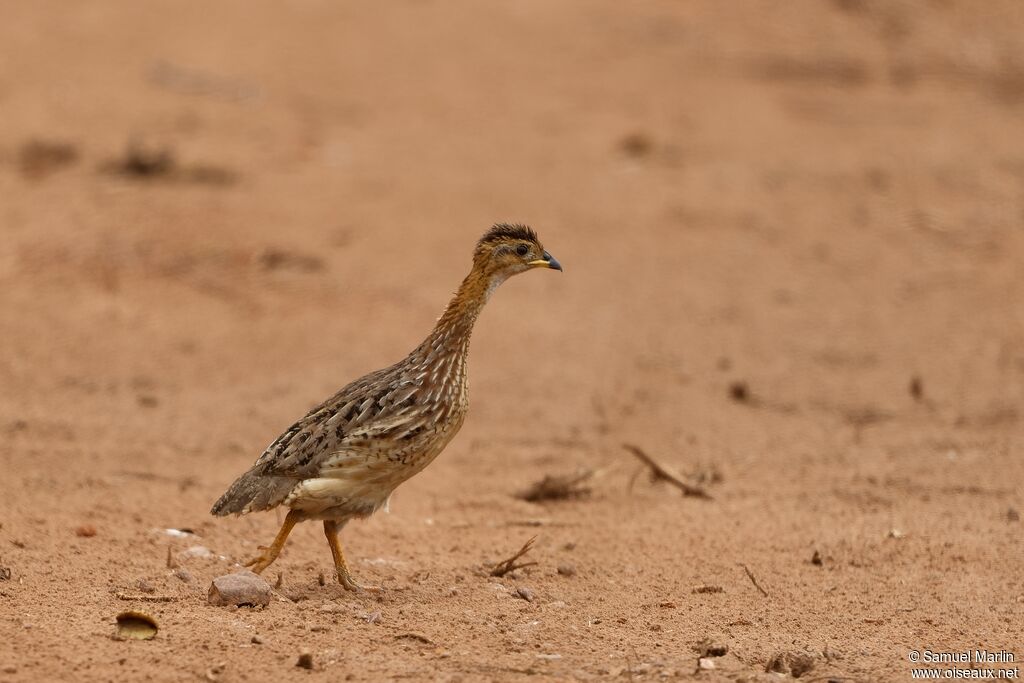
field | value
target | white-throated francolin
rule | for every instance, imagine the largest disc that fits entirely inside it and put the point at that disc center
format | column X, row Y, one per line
column 346, row 456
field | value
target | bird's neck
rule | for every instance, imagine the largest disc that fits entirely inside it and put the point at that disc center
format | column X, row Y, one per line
column 453, row 329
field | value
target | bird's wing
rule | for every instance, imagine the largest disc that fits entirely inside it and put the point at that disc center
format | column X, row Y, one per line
column 371, row 408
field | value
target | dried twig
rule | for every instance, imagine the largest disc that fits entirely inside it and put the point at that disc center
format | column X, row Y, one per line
column 509, row 565
column 146, row 598
column 662, row 472
column 753, row 580
column 557, row 488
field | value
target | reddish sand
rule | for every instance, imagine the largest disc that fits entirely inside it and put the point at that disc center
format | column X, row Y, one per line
column 792, row 242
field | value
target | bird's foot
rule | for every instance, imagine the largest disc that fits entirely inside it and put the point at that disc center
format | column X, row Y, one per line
column 346, row 580
column 261, row 561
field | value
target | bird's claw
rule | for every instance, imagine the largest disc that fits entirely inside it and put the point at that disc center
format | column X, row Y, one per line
column 259, row 563
column 349, row 584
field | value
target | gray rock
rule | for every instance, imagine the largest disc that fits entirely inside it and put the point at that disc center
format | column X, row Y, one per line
column 524, row 593
column 243, row 588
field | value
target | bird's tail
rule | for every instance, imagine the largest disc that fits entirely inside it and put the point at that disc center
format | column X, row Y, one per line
column 253, row 492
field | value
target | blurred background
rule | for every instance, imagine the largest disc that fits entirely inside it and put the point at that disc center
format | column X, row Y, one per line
column 791, row 232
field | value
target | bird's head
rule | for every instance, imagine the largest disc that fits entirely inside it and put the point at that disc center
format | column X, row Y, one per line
column 506, row 250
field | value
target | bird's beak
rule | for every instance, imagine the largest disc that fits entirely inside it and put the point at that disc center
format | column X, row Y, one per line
column 548, row 261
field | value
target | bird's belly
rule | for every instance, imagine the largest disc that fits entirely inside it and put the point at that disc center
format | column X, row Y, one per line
column 358, row 483
column 340, row 497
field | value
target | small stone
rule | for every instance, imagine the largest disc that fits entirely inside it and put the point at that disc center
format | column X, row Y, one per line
column 243, row 588
column 524, row 593
column 184, row 574
column 706, row 663
column 816, row 559
column 305, row 660
column 567, row 569
column 257, row 640
column 85, row 531
column 373, row 617
column 145, row 586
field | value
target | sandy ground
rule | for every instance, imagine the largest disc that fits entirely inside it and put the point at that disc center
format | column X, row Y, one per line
column 792, row 241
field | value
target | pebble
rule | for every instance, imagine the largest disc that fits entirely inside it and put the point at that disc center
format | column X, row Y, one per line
column 524, row 593
column 257, row 640
column 567, row 569
column 713, row 648
column 184, row 574
column 305, row 660
column 243, row 588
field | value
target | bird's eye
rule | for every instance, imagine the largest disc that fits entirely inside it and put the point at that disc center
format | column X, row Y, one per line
column 522, row 249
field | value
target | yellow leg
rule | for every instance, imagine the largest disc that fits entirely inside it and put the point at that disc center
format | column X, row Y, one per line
column 331, row 529
column 264, row 559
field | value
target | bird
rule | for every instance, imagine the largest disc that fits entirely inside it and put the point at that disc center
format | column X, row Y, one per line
column 346, row 456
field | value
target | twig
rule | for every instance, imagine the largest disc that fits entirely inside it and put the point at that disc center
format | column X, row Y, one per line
column 753, row 580
column 146, row 598
column 662, row 472
column 509, row 565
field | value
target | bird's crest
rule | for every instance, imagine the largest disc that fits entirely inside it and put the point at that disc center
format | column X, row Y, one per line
column 503, row 231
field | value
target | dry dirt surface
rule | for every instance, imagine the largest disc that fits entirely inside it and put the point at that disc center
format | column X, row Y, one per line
column 792, row 238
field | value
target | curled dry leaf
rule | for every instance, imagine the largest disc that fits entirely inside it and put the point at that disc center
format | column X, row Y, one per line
column 136, row 626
